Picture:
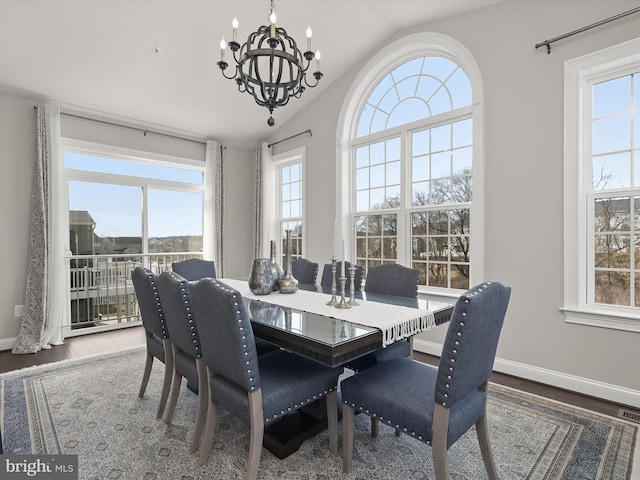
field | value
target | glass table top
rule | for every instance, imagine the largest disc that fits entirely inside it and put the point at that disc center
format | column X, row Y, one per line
column 326, row 339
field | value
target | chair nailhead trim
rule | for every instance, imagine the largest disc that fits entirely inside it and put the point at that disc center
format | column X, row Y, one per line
column 388, row 422
column 300, row 404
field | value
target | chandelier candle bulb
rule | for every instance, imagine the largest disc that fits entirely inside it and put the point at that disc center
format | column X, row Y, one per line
column 317, row 60
column 309, row 33
column 234, row 24
column 272, row 18
column 223, row 48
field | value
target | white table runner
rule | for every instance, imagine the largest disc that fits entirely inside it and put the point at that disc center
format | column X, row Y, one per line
column 396, row 322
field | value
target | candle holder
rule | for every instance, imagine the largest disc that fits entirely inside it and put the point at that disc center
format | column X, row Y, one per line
column 342, row 303
column 352, row 297
column 334, row 300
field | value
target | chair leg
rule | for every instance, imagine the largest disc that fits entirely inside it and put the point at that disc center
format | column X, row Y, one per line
column 439, row 442
column 256, row 413
column 166, row 382
column 347, row 437
column 485, row 447
column 147, row 373
column 210, row 429
column 176, row 384
column 374, row 427
column 203, row 401
column 332, row 420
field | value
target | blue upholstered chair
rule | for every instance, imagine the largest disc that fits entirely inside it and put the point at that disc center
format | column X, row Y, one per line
column 183, row 334
column 436, row 405
column 392, row 279
column 304, row 271
column 325, row 280
column 388, row 279
column 259, row 390
column 158, row 344
column 194, row 269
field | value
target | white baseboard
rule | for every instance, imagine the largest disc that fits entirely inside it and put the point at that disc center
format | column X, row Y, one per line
column 585, row 386
column 7, row 343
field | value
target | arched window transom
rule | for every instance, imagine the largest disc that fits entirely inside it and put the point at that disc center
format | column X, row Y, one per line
column 415, row 90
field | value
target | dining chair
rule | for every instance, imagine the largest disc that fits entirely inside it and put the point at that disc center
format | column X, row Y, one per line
column 195, row 268
column 260, row 390
column 392, row 279
column 436, row 405
column 157, row 337
column 185, row 341
column 388, row 279
column 304, row 271
column 326, row 279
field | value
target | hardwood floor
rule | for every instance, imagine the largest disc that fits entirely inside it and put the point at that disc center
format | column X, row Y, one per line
column 104, row 342
column 76, row 347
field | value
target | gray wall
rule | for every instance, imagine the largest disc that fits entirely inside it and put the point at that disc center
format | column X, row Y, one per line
column 17, row 151
column 523, row 184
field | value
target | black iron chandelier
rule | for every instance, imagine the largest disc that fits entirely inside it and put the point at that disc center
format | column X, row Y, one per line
column 269, row 65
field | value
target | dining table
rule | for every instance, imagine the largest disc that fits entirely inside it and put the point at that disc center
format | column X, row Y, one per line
column 303, row 323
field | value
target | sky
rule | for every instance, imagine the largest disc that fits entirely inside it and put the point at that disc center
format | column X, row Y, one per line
column 117, row 209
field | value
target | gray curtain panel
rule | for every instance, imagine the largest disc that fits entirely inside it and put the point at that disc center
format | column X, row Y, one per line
column 219, row 191
column 257, row 247
column 36, row 305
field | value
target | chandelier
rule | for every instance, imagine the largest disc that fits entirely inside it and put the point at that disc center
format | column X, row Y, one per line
column 269, row 65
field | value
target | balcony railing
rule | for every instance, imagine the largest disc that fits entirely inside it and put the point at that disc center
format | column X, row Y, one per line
column 101, row 290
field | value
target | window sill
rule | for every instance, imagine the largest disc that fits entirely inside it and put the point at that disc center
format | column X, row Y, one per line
column 622, row 320
column 444, row 294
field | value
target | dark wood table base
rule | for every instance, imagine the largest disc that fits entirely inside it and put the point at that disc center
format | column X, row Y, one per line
column 286, row 435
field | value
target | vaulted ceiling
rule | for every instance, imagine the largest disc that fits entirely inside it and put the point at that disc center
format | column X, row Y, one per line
column 155, row 61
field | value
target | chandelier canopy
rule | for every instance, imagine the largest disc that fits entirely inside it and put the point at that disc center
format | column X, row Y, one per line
column 269, row 65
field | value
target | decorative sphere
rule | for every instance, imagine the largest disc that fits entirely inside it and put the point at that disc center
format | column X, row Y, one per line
column 271, row 122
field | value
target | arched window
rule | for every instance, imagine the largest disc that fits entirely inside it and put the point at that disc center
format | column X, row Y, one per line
column 414, row 162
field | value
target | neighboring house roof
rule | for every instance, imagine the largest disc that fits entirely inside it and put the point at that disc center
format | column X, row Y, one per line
column 80, row 217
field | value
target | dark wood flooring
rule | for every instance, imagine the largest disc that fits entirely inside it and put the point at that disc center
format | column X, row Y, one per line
column 104, row 342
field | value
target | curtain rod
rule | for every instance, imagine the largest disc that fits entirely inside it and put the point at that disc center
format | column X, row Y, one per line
column 143, row 130
column 588, row 27
column 291, row 137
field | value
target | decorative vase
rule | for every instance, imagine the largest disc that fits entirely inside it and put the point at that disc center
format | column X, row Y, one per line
column 276, row 269
column 261, row 277
column 287, row 284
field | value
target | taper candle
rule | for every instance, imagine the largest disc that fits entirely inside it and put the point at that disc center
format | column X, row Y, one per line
column 335, row 226
column 342, row 264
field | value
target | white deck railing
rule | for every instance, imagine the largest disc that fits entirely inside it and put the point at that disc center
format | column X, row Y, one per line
column 101, row 290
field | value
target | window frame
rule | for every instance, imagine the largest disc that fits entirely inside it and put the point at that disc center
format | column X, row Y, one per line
column 580, row 74
column 145, row 183
column 285, row 159
column 392, row 56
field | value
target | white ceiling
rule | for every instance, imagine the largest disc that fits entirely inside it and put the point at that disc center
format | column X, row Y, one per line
column 99, row 56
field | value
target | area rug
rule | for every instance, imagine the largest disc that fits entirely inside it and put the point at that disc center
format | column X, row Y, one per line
column 90, row 407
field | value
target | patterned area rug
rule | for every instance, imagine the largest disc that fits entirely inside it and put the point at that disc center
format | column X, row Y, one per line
column 90, row 407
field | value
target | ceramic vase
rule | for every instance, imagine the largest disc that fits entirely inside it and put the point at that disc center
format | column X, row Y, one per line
column 276, row 269
column 261, row 277
column 288, row 284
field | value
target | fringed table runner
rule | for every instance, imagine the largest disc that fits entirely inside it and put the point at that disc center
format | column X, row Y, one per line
column 396, row 322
